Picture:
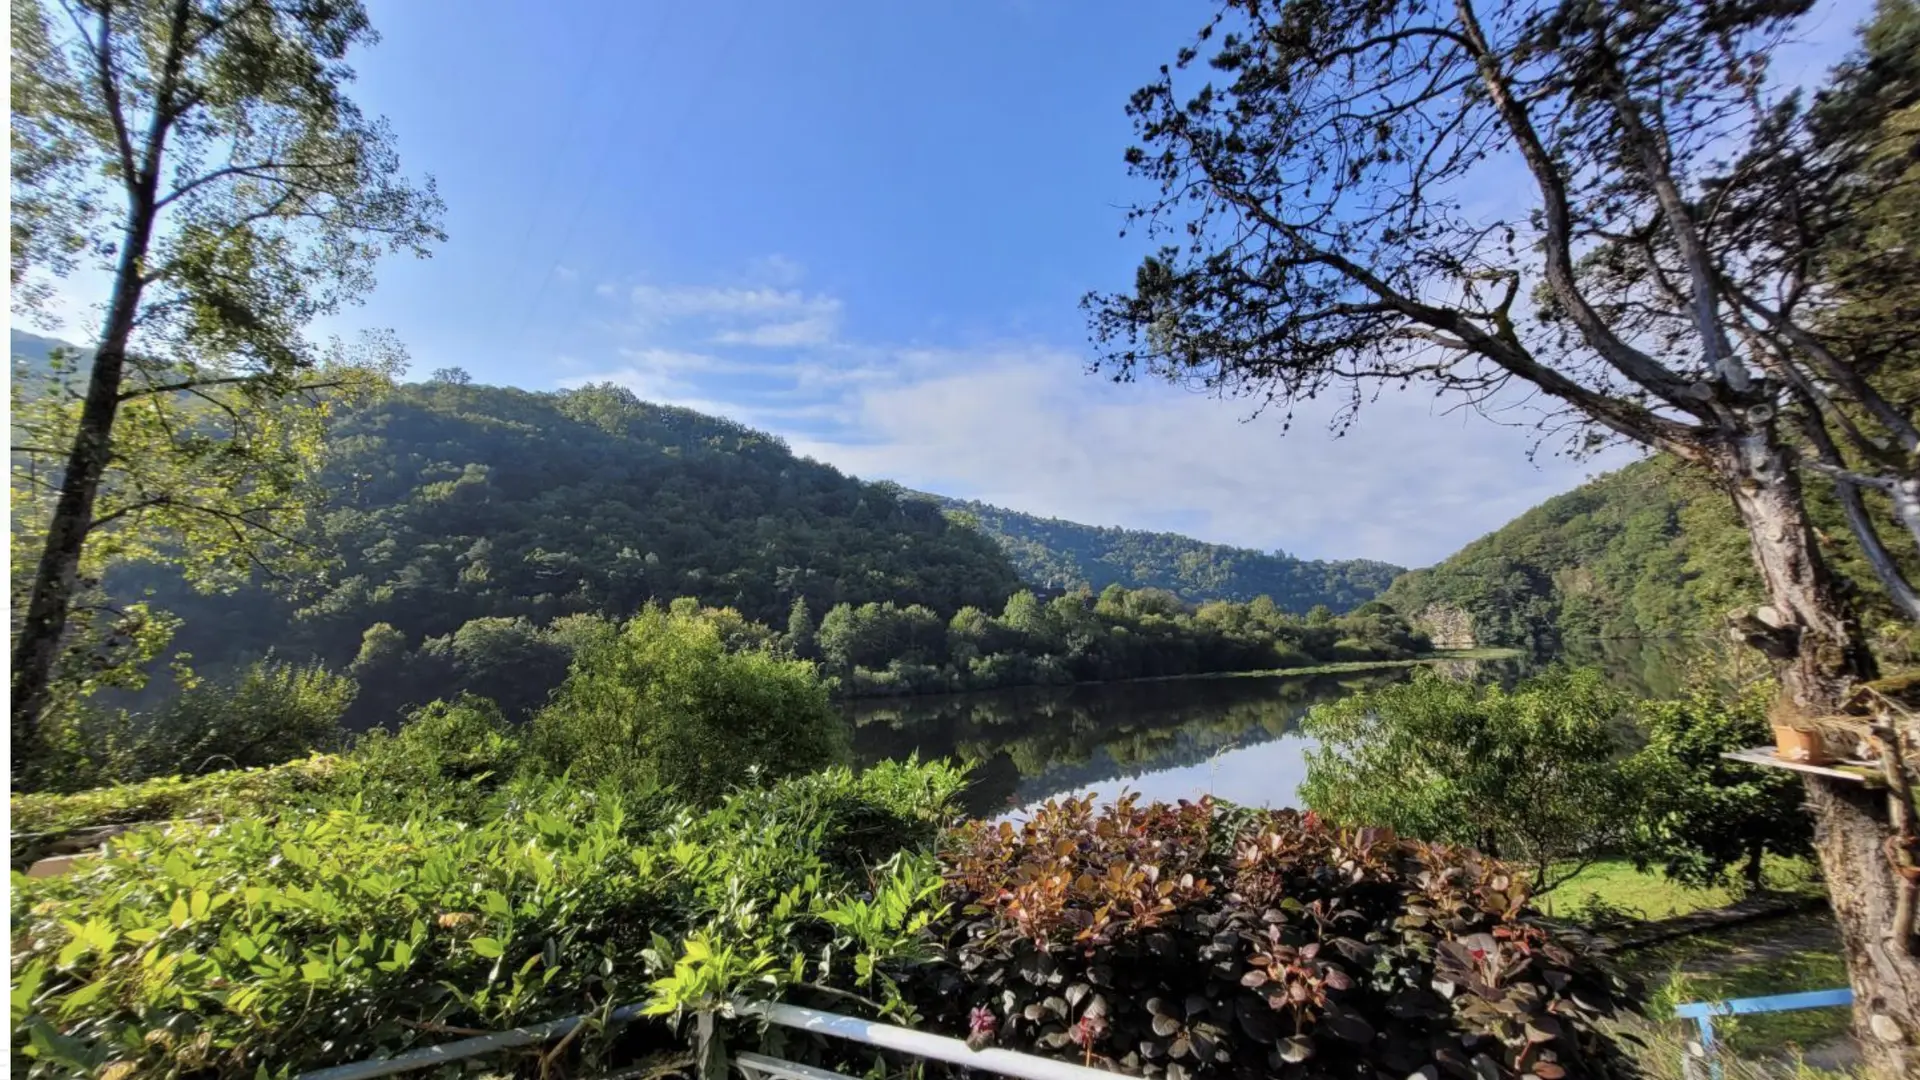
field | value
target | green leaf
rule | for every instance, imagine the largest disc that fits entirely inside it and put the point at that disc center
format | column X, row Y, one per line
column 488, row 947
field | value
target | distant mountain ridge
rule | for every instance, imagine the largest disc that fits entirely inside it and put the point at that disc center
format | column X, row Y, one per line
column 407, row 468
column 1066, row 554
column 34, row 351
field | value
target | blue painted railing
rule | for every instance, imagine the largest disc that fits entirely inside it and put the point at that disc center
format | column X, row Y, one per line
column 1703, row 1012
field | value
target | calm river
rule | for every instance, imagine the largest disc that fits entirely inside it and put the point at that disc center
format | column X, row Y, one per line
column 1236, row 738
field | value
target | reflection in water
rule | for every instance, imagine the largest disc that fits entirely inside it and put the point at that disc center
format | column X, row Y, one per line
column 1235, row 738
column 1643, row 667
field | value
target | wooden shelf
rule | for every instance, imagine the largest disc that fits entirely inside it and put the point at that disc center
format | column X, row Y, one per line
column 1764, row 755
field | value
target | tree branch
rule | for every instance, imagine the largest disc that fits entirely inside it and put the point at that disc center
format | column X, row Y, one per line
column 259, row 170
column 1558, row 218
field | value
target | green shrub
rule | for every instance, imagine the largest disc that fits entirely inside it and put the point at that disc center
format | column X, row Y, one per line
column 266, row 713
column 328, row 936
column 1353, row 650
column 1702, row 815
column 39, row 817
column 447, row 757
column 667, row 704
column 1533, row 774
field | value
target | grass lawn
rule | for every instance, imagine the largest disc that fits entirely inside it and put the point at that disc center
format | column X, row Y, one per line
column 1779, row 956
column 1617, row 885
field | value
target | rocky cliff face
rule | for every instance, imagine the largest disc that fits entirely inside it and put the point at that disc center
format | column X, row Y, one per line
column 1450, row 627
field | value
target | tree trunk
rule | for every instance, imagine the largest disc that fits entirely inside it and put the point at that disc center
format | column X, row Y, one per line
column 1755, row 871
column 38, row 638
column 1850, row 832
column 1821, row 654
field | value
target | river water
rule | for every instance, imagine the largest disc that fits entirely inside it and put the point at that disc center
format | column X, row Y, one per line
column 1234, row 738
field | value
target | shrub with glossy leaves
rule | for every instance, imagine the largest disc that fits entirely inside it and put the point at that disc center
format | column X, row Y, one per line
column 1184, row 941
column 317, row 937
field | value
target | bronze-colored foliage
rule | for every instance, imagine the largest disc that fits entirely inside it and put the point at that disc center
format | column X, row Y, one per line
column 1185, row 941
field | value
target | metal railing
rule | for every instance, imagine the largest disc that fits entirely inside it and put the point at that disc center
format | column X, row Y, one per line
column 756, row 1066
column 1703, row 1012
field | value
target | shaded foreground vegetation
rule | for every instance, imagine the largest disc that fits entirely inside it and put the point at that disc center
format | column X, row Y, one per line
column 319, row 926
column 634, row 844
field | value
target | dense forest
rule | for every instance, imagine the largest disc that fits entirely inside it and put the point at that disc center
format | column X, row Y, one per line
column 460, row 512
column 1068, row 555
column 876, row 649
column 1650, row 550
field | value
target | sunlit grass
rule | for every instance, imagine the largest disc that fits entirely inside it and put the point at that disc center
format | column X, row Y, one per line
column 1651, row 895
column 1777, row 956
column 1754, row 961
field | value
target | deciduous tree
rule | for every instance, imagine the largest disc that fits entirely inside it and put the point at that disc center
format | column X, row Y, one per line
column 204, row 156
column 1655, row 263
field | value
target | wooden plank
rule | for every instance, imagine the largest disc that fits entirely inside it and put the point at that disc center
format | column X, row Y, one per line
column 1764, row 756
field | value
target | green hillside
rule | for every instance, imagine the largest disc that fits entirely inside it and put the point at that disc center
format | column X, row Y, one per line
column 453, row 503
column 1066, row 555
column 1647, row 551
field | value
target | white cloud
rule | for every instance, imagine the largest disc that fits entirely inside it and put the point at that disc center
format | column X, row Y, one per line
column 812, row 330
column 1029, row 430
column 673, row 360
column 777, row 269
column 565, row 273
column 694, row 301
column 760, row 316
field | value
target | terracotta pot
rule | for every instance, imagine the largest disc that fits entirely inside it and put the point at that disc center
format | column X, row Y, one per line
column 1795, row 744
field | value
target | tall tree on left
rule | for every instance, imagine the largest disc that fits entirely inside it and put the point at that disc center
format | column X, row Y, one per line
column 201, row 160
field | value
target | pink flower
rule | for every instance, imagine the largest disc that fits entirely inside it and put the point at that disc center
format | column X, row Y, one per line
column 981, row 1024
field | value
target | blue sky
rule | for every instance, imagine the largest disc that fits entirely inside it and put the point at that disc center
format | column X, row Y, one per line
column 866, row 227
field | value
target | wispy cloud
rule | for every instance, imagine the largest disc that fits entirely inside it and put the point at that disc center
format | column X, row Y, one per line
column 1028, row 429
column 812, row 330
column 682, row 301
column 777, row 269
column 761, row 316
column 1022, row 425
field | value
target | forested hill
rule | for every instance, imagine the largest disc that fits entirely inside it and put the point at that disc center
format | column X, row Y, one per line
column 1647, row 551
column 456, row 502
column 1066, row 555
column 31, row 352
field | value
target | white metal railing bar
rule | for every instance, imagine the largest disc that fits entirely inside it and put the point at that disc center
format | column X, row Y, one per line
column 906, row 1040
column 762, row 1065
column 428, row 1056
column 886, row 1036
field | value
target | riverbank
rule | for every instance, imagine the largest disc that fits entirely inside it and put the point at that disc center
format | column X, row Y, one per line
column 1438, row 656
column 1337, row 667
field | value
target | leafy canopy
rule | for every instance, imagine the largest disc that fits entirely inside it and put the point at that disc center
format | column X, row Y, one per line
column 1532, row 774
column 667, row 704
